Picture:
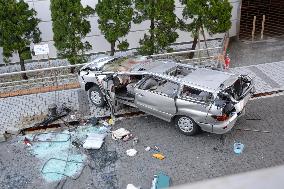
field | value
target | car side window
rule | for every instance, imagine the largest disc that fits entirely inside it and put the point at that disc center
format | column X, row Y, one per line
column 161, row 86
column 200, row 95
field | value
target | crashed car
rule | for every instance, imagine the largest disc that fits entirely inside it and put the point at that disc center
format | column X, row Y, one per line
column 194, row 98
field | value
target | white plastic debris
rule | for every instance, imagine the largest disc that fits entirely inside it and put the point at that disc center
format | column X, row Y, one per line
column 94, row 141
column 148, row 148
column 131, row 152
column 119, row 133
column 131, row 186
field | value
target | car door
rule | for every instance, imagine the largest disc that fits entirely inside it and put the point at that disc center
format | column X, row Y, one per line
column 156, row 96
column 194, row 103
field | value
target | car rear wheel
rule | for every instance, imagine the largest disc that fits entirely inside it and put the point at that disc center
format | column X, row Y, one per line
column 186, row 125
column 96, row 96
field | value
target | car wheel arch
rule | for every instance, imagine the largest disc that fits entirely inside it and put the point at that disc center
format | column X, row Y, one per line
column 89, row 85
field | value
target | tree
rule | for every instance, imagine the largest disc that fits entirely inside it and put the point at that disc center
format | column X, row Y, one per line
column 212, row 15
column 18, row 29
column 163, row 24
column 115, row 18
column 70, row 26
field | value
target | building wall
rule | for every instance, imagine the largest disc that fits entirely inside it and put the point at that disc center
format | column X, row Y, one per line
column 97, row 39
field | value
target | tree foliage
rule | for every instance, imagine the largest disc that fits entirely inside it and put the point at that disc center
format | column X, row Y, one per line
column 115, row 18
column 163, row 24
column 70, row 26
column 212, row 15
column 18, row 28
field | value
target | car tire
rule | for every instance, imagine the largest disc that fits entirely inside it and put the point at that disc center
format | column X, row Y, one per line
column 96, row 96
column 186, row 125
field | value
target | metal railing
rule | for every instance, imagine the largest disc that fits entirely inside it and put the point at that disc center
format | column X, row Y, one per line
column 61, row 74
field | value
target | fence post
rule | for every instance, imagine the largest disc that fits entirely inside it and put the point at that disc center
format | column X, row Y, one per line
column 262, row 26
column 253, row 28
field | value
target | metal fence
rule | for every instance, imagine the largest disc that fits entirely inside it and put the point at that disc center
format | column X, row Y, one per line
column 63, row 75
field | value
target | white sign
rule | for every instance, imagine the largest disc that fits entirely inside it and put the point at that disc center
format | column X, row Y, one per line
column 41, row 49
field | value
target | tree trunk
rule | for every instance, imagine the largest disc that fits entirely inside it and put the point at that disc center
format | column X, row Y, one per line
column 152, row 27
column 23, row 68
column 112, row 48
column 194, row 43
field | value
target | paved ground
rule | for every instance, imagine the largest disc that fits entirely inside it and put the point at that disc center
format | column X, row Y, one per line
column 188, row 159
column 260, row 52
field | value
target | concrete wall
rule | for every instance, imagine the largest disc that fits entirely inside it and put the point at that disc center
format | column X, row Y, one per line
column 95, row 37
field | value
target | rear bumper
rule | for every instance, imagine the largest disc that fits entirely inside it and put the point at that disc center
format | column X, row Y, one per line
column 221, row 127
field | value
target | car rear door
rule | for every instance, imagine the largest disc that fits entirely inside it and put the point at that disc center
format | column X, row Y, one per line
column 156, row 96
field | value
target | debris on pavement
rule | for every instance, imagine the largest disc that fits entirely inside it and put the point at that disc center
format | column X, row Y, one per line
column 60, row 152
column 148, row 148
column 159, row 156
column 93, row 121
column 127, row 137
column 238, row 147
column 253, row 130
column 2, row 138
column 160, row 181
column 135, row 141
column 94, row 141
column 131, row 152
column 27, row 141
column 119, row 133
column 111, row 121
column 131, row 186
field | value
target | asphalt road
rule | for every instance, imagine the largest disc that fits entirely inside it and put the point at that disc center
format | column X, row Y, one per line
column 188, row 159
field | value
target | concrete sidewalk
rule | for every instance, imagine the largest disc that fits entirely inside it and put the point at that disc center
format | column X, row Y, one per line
column 257, row 52
column 268, row 77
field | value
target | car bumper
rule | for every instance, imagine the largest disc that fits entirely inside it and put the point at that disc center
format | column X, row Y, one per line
column 222, row 127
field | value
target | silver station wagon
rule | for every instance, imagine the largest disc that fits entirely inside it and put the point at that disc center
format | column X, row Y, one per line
column 194, row 98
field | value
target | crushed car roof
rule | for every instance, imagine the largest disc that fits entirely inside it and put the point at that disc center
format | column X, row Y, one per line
column 209, row 79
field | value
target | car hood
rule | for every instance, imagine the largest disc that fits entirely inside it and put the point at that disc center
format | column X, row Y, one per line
column 98, row 62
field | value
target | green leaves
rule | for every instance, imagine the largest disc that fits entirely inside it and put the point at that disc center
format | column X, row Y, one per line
column 70, row 26
column 162, row 31
column 18, row 28
column 213, row 15
column 115, row 18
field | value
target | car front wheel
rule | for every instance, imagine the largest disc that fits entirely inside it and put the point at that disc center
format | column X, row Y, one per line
column 96, row 96
column 186, row 125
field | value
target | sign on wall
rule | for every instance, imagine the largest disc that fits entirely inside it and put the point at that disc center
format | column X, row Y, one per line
column 41, row 49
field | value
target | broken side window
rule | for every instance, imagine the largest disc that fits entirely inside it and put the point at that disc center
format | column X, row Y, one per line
column 161, row 86
column 200, row 95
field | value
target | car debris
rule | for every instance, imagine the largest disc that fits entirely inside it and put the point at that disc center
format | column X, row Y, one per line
column 238, row 148
column 159, row 156
column 148, row 148
column 94, row 141
column 27, row 141
column 119, row 133
column 131, row 152
column 127, row 137
column 170, row 91
column 131, row 186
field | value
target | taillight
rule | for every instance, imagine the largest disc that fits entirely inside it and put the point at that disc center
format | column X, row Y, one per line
column 223, row 117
